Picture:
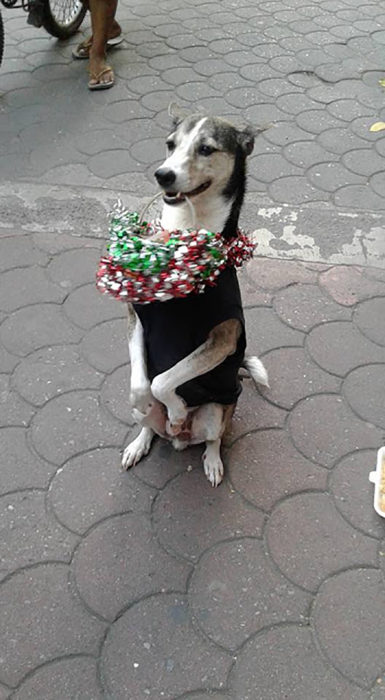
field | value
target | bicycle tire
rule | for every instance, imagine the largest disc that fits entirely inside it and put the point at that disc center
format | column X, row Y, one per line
column 62, row 18
column 1, row 38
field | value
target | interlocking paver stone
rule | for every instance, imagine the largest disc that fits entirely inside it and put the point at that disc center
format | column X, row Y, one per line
column 352, row 600
column 35, row 599
column 339, row 346
column 52, row 371
column 105, row 346
column 285, row 662
column 68, row 678
column 153, row 650
column 364, row 389
column 257, row 468
column 20, row 252
column 91, row 487
column 348, row 285
column 262, row 598
column 21, row 468
column 86, row 307
column 302, row 379
column 120, row 561
column 14, row 411
column 253, row 412
column 71, row 269
column 353, row 495
column 35, row 326
column 115, row 394
column 74, row 423
column 265, row 331
column 30, row 535
column 27, row 286
column 327, row 543
column 305, row 306
column 189, row 519
column 367, row 317
column 338, row 430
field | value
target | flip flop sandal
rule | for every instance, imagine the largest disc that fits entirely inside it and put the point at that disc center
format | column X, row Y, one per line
column 100, row 85
column 82, row 51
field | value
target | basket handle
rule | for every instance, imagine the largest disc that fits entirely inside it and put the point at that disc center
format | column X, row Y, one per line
column 160, row 194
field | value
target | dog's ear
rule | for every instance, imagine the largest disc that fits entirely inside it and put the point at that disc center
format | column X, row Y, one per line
column 177, row 113
column 246, row 139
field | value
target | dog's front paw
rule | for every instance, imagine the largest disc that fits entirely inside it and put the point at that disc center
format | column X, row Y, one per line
column 137, row 449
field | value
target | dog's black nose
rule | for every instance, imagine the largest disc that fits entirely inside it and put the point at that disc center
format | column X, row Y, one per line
column 165, row 177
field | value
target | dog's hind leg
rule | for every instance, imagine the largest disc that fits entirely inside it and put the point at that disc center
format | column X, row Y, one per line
column 138, row 448
column 208, row 425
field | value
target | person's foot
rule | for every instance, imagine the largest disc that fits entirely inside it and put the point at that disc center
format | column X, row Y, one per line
column 101, row 75
column 115, row 37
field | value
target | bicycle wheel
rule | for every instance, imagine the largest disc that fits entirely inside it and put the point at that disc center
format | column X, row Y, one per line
column 62, row 18
column 1, row 38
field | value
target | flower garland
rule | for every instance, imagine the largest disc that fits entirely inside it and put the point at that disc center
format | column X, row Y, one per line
column 146, row 263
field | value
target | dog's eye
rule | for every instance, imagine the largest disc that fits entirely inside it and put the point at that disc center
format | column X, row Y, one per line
column 205, row 150
column 170, row 145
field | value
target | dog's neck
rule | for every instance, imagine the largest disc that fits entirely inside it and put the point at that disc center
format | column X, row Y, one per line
column 211, row 214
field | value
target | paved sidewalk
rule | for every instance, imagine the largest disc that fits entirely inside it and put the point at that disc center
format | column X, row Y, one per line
column 151, row 584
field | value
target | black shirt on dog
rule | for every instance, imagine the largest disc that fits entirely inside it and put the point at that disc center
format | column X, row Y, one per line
column 174, row 328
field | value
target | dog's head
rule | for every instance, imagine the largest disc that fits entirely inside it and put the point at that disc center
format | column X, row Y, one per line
column 202, row 152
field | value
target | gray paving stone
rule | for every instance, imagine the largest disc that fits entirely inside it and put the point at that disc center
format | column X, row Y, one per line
column 285, row 661
column 120, row 562
column 189, row 518
column 339, row 347
column 14, row 411
column 105, row 346
column 52, row 371
column 294, row 190
column 49, row 607
column 348, row 285
column 71, row 678
column 74, row 423
column 377, row 182
column 115, row 394
column 22, row 287
column 21, row 468
column 364, row 162
column 257, row 468
column 305, row 306
column 265, row 331
column 307, row 153
column 92, row 487
column 19, row 252
column 368, row 317
column 364, row 390
column 303, row 379
column 360, row 197
column 315, row 516
column 73, row 268
column 7, row 361
column 358, row 657
column 87, row 307
column 332, row 176
column 253, row 412
column 354, row 497
column 316, row 418
column 264, row 597
column 35, row 326
column 30, row 535
column 153, row 650
column 268, row 167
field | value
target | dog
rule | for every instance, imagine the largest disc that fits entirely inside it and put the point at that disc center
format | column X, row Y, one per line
column 186, row 353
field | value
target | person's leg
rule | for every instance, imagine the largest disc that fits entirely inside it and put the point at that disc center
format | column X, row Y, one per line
column 102, row 19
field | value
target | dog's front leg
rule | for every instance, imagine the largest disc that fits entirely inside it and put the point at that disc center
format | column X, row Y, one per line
column 221, row 342
column 141, row 398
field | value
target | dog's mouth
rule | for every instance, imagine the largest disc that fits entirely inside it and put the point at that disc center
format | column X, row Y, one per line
column 179, row 197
